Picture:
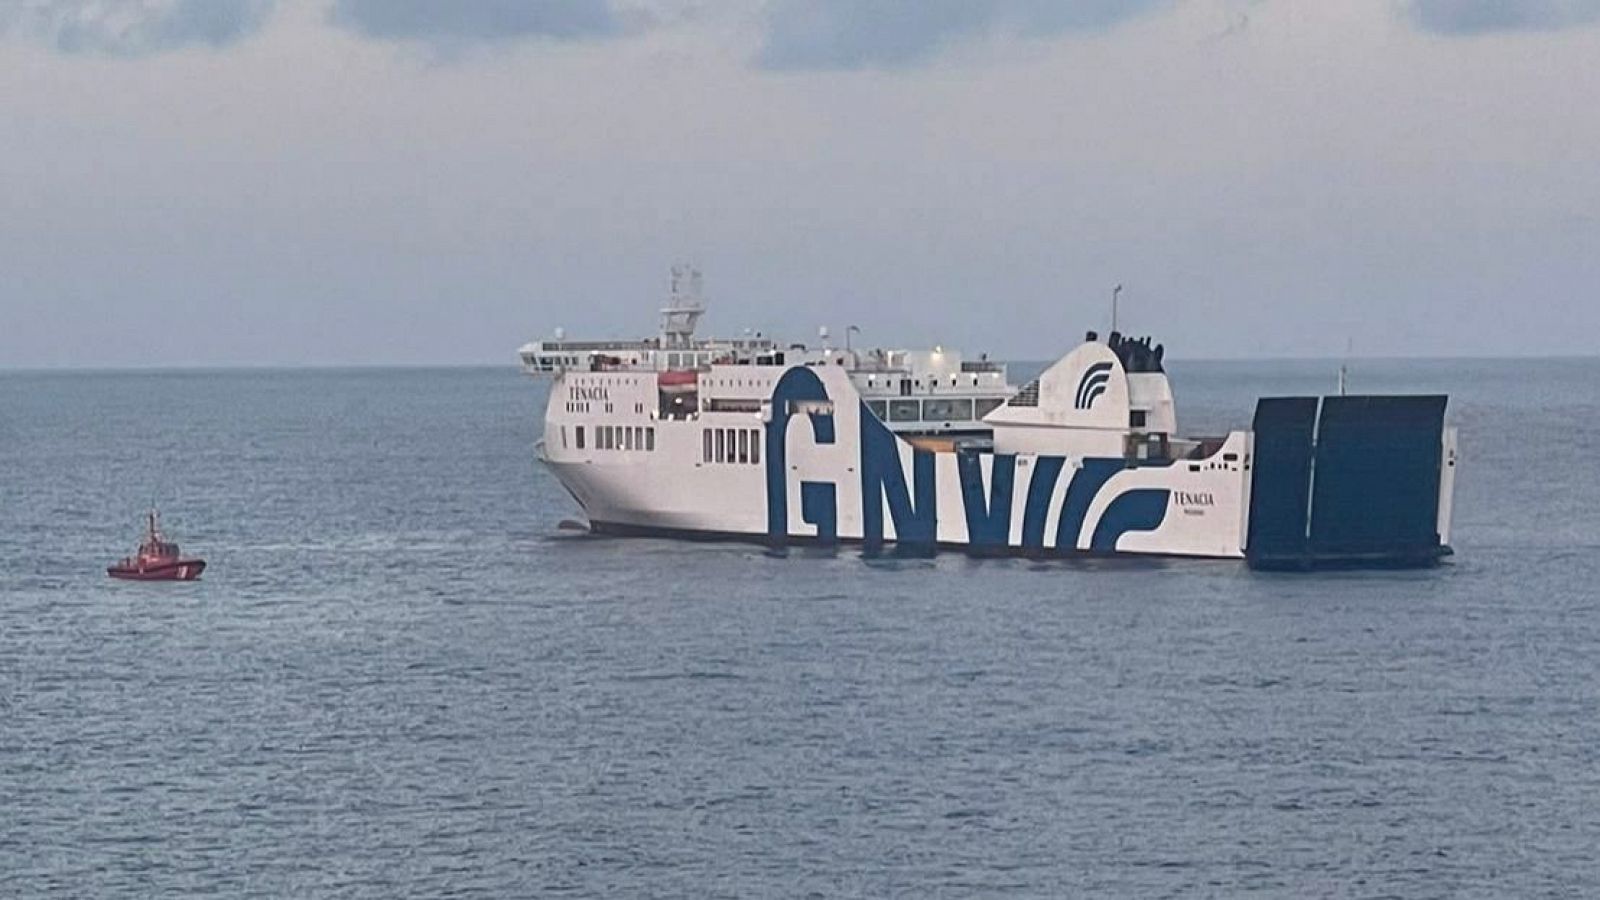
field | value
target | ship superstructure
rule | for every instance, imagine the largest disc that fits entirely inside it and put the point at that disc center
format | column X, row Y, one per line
column 925, row 393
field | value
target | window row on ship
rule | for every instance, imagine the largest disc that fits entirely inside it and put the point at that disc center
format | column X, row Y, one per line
column 960, row 409
column 688, row 360
column 907, row 385
column 956, row 409
column 548, row 363
column 731, row 445
column 613, row 437
column 583, row 406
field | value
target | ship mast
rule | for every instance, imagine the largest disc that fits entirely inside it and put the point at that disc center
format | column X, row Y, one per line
column 684, row 308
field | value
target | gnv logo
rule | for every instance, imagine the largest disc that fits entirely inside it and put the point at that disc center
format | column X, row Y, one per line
column 1092, row 385
column 911, row 498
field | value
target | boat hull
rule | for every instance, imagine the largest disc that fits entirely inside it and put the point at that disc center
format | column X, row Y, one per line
column 177, row 570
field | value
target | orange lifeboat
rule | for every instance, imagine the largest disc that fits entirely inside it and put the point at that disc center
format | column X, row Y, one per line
column 678, row 379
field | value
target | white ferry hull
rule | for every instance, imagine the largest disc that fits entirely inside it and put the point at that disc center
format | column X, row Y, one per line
column 1038, row 505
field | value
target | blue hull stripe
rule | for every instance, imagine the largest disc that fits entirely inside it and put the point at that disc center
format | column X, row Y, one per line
column 1143, row 509
column 1046, row 470
column 1081, row 491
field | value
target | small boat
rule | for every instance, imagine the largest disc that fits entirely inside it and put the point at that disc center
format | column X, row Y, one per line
column 157, row 560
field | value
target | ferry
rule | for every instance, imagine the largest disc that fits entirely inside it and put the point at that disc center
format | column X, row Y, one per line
column 918, row 451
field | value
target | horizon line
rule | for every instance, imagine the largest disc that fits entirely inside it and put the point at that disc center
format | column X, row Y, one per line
column 198, row 368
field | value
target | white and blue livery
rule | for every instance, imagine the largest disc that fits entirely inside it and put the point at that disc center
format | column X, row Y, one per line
column 1085, row 460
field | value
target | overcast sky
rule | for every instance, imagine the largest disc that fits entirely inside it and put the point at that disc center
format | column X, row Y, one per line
column 402, row 181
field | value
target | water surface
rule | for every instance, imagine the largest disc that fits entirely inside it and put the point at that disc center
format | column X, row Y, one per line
column 399, row 677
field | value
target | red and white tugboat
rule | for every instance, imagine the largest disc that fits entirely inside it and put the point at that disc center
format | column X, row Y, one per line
column 157, row 560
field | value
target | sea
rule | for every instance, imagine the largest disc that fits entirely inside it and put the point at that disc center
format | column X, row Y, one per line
column 401, row 677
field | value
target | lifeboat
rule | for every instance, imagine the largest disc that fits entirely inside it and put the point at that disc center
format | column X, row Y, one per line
column 157, row 560
column 680, row 393
column 678, row 379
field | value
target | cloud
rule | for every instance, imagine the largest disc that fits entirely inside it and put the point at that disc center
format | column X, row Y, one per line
column 130, row 28
column 850, row 34
column 448, row 23
column 1470, row 17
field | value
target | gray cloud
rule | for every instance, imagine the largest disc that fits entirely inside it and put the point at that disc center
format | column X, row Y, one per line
column 1470, row 17
column 848, row 34
column 455, row 22
column 134, row 27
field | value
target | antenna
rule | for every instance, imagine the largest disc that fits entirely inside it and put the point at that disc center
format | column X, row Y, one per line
column 1114, row 292
column 1344, row 366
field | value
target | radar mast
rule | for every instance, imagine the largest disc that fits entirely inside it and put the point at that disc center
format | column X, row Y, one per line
column 684, row 307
